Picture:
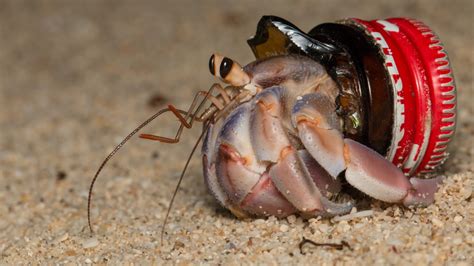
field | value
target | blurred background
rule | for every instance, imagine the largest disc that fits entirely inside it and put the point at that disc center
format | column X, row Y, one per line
column 76, row 77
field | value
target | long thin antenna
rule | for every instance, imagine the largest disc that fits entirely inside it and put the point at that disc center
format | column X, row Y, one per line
column 171, row 108
column 206, row 127
column 89, row 200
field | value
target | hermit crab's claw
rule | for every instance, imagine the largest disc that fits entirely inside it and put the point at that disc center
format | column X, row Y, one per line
column 364, row 168
column 228, row 70
column 372, row 174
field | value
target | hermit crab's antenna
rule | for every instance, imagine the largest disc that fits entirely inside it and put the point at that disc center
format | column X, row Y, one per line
column 111, row 154
column 184, row 123
column 206, row 127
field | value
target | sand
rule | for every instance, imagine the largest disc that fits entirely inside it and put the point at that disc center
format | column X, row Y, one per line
column 76, row 78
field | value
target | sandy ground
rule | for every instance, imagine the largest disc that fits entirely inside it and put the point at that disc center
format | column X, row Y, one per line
column 76, row 78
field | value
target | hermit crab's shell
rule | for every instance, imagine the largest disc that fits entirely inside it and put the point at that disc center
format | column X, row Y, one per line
column 418, row 94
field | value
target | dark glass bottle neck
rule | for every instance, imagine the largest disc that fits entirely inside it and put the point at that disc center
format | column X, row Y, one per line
column 366, row 99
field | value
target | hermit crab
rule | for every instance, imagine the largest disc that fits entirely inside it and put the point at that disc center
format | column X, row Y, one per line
column 281, row 149
column 275, row 141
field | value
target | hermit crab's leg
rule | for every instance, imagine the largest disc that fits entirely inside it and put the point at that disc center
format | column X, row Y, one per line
column 264, row 199
column 209, row 164
column 236, row 175
column 289, row 172
column 314, row 117
column 269, row 137
column 192, row 116
column 328, row 185
column 299, row 189
column 235, row 161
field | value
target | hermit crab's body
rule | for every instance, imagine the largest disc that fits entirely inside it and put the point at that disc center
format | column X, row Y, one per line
column 281, row 150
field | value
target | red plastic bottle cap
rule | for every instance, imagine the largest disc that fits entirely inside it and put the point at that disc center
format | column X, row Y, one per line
column 424, row 92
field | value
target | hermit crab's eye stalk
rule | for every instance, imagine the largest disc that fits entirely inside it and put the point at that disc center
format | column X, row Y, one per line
column 228, row 70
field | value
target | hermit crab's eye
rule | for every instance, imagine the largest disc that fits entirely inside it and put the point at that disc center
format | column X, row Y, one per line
column 228, row 70
column 226, row 67
column 212, row 65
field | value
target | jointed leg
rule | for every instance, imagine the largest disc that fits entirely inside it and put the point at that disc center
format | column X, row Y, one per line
column 183, row 123
column 190, row 114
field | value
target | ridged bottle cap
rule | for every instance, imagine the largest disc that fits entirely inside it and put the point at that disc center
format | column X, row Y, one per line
column 423, row 89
